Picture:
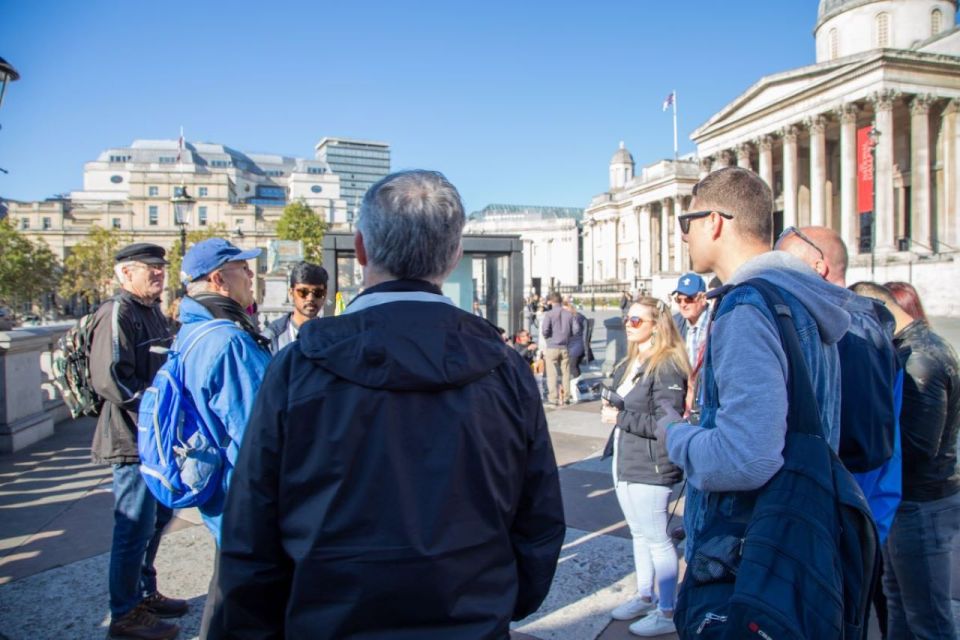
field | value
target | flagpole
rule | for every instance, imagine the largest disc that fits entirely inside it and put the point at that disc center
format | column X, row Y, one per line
column 675, row 148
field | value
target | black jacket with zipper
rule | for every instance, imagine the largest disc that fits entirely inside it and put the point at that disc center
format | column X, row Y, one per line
column 641, row 457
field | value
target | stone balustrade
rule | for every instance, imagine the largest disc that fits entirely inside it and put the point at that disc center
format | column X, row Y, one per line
column 29, row 402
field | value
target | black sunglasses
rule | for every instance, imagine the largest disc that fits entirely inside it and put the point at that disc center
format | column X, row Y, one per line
column 802, row 236
column 684, row 218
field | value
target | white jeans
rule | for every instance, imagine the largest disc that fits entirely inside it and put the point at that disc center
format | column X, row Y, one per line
column 645, row 510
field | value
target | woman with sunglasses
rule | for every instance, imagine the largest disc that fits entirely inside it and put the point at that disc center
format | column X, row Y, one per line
column 652, row 376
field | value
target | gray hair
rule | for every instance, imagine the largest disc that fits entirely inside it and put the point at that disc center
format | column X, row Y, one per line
column 198, row 286
column 411, row 223
column 118, row 270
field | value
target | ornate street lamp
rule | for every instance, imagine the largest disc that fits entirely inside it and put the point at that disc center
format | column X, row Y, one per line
column 7, row 74
column 182, row 211
column 874, row 137
column 636, row 273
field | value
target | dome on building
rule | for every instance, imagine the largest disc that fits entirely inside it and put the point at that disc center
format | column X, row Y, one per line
column 622, row 156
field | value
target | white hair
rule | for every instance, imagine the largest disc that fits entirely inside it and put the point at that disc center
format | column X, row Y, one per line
column 118, row 270
column 412, row 223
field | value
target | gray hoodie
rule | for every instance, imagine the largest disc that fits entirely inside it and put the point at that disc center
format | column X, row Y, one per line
column 745, row 449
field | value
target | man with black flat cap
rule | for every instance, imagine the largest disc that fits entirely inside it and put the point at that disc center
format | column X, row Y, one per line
column 123, row 364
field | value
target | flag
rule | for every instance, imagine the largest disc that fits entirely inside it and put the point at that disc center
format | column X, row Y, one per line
column 339, row 305
column 669, row 101
column 180, row 147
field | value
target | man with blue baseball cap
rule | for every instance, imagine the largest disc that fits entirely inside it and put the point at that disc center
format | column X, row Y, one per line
column 225, row 363
column 692, row 320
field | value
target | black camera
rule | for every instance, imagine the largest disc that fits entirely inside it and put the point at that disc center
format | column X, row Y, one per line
column 611, row 397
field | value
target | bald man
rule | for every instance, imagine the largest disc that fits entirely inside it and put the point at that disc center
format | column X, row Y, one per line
column 871, row 385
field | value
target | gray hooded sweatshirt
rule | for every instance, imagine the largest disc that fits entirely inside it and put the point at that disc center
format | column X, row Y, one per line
column 745, row 449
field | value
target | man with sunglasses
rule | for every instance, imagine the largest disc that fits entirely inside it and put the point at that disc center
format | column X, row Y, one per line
column 737, row 446
column 308, row 291
column 692, row 319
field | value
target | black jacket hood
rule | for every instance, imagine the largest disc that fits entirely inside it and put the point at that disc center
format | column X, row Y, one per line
column 384, row 346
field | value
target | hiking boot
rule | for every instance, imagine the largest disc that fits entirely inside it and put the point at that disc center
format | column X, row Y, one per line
column 140, row 624
column 164, row 607
column 632, row 608
column 653, row 624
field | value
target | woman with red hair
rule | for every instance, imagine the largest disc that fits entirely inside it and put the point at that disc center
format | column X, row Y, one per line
column 908, row 299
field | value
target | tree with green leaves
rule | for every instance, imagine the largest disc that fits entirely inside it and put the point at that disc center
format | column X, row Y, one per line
column 193, row 237
column 300, row 222
column 27, row 269
column 88, row 270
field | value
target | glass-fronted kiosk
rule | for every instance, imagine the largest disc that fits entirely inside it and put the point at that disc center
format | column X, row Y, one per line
column 488, row 281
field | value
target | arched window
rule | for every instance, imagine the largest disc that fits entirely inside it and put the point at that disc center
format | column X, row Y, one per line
column 936, row 19
column 834, row 44
column 883, row 30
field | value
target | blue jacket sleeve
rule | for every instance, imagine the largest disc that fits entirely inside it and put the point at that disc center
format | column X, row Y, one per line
column 233, row 382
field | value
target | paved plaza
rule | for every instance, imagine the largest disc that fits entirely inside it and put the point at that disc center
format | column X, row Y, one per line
column 56, row 521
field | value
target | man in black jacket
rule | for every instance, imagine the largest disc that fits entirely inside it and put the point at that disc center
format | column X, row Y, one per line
column 308, row 291
column 397, row 478
column 123, row 361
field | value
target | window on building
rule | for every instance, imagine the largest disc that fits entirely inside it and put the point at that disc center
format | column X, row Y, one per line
column 883, row 30
column 203, row 192
column 834, row 44
column 115, row 223
column 936, row 20
column 154, row 216
column 47, row 224
column 153, row 191
column 168, row 159
column 177, row 191
column 24, row 223
column 202, row 216
column 238, row 222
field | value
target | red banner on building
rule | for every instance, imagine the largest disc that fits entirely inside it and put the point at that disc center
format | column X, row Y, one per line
column 864, row 170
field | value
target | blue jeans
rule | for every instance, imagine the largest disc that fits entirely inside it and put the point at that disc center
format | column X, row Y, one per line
column 917, row 567
column 138, row 521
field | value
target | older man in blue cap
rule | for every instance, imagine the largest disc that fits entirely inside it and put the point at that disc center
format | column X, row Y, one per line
column 224, row 362
column 693, row 319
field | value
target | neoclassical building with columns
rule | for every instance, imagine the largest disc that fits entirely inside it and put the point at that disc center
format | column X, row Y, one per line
column 889, row 65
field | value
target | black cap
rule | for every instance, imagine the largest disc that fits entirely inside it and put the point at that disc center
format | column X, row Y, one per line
column 142, row 252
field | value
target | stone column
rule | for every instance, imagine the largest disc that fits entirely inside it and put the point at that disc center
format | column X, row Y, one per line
column 950, row 228
column 678, row 244
column 726, row 159
column 646, row 254
column 665, row 206
column 883, row 172
column 706, row 166
column 849, row 222
column 818, row 171
column 765, row 145
column 789, row 176
column 743, row 156
column 920, row 224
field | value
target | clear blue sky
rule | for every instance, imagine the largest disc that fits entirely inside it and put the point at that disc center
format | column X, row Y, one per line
column 516, row 102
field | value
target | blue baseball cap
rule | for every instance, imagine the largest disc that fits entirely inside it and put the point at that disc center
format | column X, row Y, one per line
column 690, row 284
column 209, row 255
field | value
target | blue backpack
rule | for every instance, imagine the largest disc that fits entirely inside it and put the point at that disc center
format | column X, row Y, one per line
column 805, row 564
column 180, row 461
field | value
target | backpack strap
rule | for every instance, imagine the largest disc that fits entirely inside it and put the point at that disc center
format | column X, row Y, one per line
column 207, row 327
column 803, row 415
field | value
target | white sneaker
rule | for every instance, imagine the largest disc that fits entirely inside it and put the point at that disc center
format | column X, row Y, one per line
column 632, row 608
column 653, row 624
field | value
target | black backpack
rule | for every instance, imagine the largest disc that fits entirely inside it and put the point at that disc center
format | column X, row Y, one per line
column 804, row 565
column 71, row 368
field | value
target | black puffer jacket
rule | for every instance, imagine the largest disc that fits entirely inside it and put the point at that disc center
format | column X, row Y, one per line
column 396, row 481
column 641, row 457
column 930, row 415
column 122, row 366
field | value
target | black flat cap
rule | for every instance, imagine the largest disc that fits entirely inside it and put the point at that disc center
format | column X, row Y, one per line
column 142, row 252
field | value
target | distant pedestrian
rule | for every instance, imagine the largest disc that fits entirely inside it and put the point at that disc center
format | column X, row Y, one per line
column 123, row 358
column 308, row 292
column 559, row 330
column 653, row 374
